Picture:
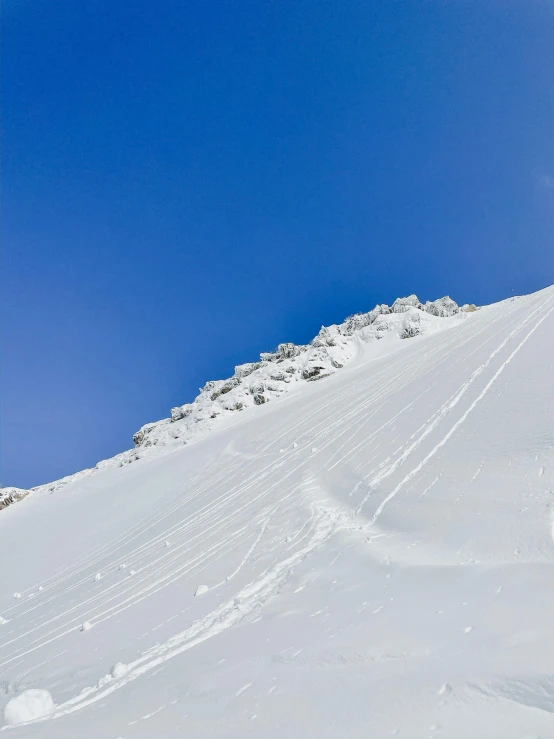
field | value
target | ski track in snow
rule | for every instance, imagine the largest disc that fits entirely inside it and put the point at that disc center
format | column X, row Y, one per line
column 430, row 426
column 242, row 508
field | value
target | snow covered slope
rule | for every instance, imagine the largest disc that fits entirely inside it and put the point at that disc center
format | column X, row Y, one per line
column 256, row 383
column 369, row 556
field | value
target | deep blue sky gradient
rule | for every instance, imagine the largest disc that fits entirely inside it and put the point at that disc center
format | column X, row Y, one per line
column 186, row 184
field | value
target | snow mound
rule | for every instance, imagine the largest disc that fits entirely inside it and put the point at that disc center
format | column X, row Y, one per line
column 201, row 589
column 28, row 705
column 119, row 670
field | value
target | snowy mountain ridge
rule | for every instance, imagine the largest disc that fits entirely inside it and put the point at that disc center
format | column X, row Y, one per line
column 275, row 373
column 367, row 556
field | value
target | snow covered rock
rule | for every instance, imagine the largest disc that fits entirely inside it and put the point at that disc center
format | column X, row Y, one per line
column 401, row 305
column 181, row 411
column 143, row 437
column 86, row 626
column 313, row 372
column 442, row 308
column 324, row 338
column 28, row 705
column 11, row 495
column 411, row 326
column 243, row 370
column 201, row 589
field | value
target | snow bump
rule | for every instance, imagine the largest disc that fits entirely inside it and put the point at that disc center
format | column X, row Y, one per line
column 28, row 706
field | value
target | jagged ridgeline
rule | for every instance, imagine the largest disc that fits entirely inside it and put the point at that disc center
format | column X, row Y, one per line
column 257, row 383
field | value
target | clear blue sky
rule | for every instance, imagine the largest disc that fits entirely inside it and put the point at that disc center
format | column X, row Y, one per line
column 185, row 184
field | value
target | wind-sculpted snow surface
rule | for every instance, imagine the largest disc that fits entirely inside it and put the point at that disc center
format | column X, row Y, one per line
column 367, row 556
column 257, row 383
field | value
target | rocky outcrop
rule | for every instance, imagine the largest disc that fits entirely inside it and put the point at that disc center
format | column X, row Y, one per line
column 258, row 383
column 411, row 326
column 401, row 305
column 443, row 307
column 11, row 495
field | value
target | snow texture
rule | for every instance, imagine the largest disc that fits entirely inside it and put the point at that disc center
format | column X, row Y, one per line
column 377, row 548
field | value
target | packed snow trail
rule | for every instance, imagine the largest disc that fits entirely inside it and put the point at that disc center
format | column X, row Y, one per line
column 376, row 551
